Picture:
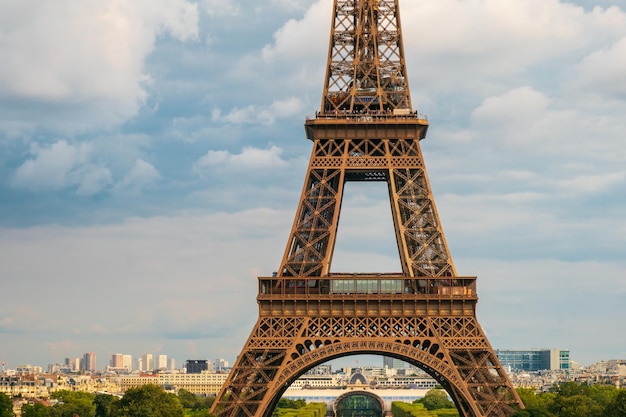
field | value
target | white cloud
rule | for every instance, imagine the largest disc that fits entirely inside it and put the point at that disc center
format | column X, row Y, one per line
column 260, row 114
column 515, row 118
column 285, row 108
column 604, row 71
column 291, row 4
column 71, row 64
column 556, row 49
column 520, row 175
column 249, row 159
column 94, row 180
column 141, row 175
column 525, row 123
column 494, row 214
column 498, row 41
column 217, row 8
column 62, row 165
column 294, row 61
column 51, row 166
column 593, row 183
column 302, row 39
column 514, row 109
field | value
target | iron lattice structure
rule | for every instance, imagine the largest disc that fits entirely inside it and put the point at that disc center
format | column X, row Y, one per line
column 425, row 315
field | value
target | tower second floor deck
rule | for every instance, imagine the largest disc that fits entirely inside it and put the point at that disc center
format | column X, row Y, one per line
column 368, row 294
column 369, row 124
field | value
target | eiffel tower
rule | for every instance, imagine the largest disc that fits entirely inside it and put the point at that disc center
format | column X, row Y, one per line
column 367, row 130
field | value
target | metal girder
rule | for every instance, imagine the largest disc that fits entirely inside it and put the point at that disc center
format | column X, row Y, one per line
column 366, row 65
column 398, row 161
column 425, row 315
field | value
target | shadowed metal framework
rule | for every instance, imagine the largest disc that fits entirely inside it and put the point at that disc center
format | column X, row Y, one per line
column 366, row 130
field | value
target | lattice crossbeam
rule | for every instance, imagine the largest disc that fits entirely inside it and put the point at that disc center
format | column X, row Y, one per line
column 366, row 68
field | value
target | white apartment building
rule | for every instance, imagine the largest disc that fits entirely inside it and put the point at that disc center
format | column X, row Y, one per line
column 205, row 383
column 160, row 362
column 406, row 382
column 127, row 362
column 220, row 365
column 316, row 382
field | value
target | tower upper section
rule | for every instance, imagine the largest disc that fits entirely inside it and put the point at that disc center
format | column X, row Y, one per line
column 366, row 71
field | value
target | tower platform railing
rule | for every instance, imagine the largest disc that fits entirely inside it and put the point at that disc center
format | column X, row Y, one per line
column 368, row 116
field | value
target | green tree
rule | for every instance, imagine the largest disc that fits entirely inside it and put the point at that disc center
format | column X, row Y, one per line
column 576, row 406
column 188, row 399
column 603, row 395
column 194, row 405
column 147, row 401
column 528, row 397
column 208, row 402
column 435, row 399
column 617, row 407
column 534, row 401
column 287, row 403
column 198, row 412
column 569, row 389
column 6, row 405
column 73, row 402
column 35, row 410
column 104, row 404
column 533, row 412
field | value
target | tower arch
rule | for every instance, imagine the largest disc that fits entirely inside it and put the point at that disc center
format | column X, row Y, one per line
column 444, row 373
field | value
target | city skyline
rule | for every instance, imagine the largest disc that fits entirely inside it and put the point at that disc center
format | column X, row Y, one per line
column 145, row 362
column 150, row 168
column 352, row 361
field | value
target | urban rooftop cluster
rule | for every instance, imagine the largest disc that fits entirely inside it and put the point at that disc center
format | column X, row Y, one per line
column 538, row 368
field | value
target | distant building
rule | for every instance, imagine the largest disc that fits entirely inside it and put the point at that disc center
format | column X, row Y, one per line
column 534, row 359
column 329, row 396
column 373, row 371
column 316, row 382
column 220, row 365
column 424, row 382
column 171, row 364
column 117, row 360
column 119, row 363
column 73, row 364
column 197, row 383
column 160, row 362
column 89, row 362
column 393, row 363
column 25, row 368
column 57, row 368
column 324, row 369
column 127, row 362
column 196, row 366
column 146, row 362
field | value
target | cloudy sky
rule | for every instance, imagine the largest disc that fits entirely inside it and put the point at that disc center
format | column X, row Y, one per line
column 152, row 155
